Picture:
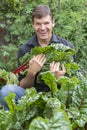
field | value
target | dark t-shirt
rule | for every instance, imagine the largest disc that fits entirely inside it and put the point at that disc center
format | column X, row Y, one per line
column 33, row 42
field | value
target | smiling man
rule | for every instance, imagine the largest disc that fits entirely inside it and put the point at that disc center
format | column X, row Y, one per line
column 43, row 28
column 43, row 23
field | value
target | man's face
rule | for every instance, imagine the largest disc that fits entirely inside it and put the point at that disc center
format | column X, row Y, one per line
column 43, row 27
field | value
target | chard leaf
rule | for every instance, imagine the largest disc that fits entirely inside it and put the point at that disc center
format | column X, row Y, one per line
column 39, row 50
column 64, row 48
column 66, row 90
column 5, row 120
column 73, row 113
column 10, row 100
column 30, row 92
column 79, row 101
column 79, row 96
column 52, row 52
column 59, row 121
column 55, row 52
column 50, row 80
column 66, row 81
column 9, row 77
column 52, row 103
column 71, row 68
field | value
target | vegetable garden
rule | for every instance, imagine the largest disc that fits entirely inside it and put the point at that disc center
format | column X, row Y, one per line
column 65, row 106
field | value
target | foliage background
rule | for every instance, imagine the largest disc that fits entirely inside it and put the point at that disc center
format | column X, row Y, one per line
column 15, row 18
column 71, row 23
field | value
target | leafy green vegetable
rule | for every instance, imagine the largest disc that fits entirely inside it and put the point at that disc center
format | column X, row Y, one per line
column 50, row 80
column 54, row 52
column 59, row 121
column 7, row 78
column 62, row 108
column 79, row 101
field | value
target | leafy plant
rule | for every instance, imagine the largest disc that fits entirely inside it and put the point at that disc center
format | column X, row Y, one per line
column 70, row 23
column 45, row 110
column 34, row 106
column 7, row 78
column 63, row 107
column 8, row 56
column 55, row 52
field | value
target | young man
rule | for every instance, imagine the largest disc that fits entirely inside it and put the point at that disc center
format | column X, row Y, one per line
column 43, row 23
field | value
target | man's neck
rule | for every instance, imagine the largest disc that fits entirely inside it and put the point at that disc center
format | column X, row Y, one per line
column 44, row 42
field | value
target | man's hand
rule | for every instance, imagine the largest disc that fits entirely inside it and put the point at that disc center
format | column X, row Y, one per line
column 36, row 63
column 54, row 67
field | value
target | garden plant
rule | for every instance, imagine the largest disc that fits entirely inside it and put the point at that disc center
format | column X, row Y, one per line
column 64, row 107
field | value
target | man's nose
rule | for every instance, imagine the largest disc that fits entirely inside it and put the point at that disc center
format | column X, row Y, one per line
column 42, row 26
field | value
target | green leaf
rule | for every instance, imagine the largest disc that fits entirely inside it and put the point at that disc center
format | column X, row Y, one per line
column 79, row 101
column 10, row 100
column 9, row 77
column 59, row 121
column 5, row 120
column 51, row 105
column 50, row 80
column 66, row 90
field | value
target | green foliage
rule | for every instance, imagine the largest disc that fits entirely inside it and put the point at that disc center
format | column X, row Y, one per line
column 79, row 101
column 7, row 78
column 17, row 20
column 8, row 57
column 70, row 22
column 59, row 121
column 63, row 107
column 55, row 52
column 32, row 112
column 44, row 110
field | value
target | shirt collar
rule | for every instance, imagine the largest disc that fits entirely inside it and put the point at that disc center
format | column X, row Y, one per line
column 35, row 43
column 54, row 38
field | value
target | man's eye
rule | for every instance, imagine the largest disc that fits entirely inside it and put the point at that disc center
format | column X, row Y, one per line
column 46, row 23
column 37, row 23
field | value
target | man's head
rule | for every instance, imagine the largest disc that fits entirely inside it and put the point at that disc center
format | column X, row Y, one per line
column 41, row 11
column 43, row 22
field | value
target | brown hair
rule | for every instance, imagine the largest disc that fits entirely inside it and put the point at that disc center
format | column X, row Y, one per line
column 41, row 11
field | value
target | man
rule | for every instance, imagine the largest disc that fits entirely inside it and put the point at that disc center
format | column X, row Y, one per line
column 43, row 23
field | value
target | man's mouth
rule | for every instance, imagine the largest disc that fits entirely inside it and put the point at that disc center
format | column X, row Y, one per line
column 45, row 33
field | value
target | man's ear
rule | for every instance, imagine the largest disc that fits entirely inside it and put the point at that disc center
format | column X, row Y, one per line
column 53, row 23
